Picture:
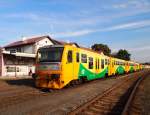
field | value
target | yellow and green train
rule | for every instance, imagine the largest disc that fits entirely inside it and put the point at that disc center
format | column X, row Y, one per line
column 60, row 65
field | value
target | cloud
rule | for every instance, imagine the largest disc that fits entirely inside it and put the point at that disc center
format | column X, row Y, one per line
column 141, row 55
column 139, row 49
column 73, row 34
column 132, row 4
column 31, row 16
column 131, row 25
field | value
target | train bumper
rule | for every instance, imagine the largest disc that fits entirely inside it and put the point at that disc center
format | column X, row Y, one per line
column 49, row 80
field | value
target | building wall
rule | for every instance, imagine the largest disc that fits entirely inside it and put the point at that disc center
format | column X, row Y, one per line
column 18, row 70
column 18, row 66
column 11, row 65
column 23, row 49
column 28, row 49
column 1, row 64
column 31, row 48
column 42, row 43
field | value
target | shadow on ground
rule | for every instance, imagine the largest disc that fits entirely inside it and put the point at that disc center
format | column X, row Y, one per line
column 22, row 82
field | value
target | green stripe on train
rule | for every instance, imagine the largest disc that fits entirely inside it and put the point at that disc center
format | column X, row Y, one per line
column 83, row 71
column 131, row 69
column 120, row 70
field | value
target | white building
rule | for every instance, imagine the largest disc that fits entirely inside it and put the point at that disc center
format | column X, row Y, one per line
column 18, row 58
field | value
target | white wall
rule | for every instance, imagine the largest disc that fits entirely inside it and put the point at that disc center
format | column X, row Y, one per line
column 24, row 49
column 22, row 70
column 42, row 43
column 28, row 49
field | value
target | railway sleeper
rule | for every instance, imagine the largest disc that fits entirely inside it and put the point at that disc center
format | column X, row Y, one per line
column 95, row 110
column 107, row 101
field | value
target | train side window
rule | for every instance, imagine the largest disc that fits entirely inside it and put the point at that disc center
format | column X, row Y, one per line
column 98, row 64
column 102, row 63
column 112, row 63
column 84, row 58
column 90, row 63
column 106, row 62
column 69, row 56
column 77, row 57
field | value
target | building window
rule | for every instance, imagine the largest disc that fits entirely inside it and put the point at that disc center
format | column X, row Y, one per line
column 18, row 49
column 12, row 69
column 69, row 56
column 102, row 63
column 77, row 57
column 90, row 63
column 84, row 58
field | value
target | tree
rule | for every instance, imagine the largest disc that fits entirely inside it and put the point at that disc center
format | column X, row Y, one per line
column 101, row 47
column 123, row 54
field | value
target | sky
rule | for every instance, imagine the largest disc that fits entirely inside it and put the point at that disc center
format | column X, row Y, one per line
column 121, row 24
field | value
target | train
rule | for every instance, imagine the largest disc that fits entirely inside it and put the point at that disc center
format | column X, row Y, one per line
column 58, row 66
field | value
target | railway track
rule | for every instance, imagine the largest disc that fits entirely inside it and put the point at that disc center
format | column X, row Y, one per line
column 114, row 101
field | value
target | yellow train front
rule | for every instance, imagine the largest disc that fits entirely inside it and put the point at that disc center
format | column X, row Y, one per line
column 60, row 65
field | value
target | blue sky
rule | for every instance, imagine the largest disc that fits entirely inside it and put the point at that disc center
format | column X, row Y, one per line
column 122, row 24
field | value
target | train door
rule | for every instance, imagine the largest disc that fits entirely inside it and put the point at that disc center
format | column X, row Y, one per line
column 109, row 66
column 68, row 74
column 76, row 63
column 96, row 65
column 112, row 66
column 126, row 67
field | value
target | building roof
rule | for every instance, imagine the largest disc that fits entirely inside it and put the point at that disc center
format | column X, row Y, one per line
column 33, row 40
column 65, row 43
column 28, row 41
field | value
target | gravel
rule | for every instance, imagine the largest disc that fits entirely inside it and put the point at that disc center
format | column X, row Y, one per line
column 21, row 97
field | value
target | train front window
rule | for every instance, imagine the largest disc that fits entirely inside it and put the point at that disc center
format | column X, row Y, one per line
column 50, row 54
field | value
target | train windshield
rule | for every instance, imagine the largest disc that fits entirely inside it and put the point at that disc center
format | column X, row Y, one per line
column 50, row 54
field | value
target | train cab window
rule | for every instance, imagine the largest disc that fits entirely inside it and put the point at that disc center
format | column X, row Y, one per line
column 84, row 58
column 77, row 57
column 102, row 63
column 69, row 56
column 90, row 63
